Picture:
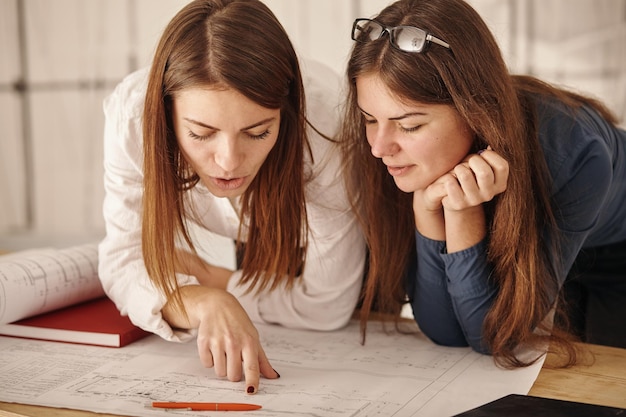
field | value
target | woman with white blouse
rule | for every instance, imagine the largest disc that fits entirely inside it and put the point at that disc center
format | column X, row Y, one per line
column 217, row 134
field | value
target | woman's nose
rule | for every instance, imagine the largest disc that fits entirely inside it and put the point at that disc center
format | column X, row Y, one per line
column 227, row 154
column 382, row 143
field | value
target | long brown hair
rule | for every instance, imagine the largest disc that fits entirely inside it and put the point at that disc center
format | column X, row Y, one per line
column 236, row 44
column 472, row 77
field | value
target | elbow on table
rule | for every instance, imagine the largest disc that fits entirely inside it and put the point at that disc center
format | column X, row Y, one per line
column 444, row 340
column 330, row 323
column 452, row 337
column 318, row 318
column 478, row 347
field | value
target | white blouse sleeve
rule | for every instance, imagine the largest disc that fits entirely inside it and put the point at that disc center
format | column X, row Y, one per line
column 325, row 295
column 121, row 268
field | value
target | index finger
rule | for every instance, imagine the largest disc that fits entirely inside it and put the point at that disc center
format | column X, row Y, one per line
column 250, row 358
column 257, row 365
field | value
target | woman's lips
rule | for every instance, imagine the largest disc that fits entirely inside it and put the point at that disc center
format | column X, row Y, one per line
column 228, row 184
column 398, row 171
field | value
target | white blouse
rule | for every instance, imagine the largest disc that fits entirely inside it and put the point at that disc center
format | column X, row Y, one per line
column 323, row 297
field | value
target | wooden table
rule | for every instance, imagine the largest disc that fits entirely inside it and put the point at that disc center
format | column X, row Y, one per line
column 22, row 410
column 600, row 379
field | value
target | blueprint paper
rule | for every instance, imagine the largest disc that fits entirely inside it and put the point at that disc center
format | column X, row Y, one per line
column 325, row 374
column 41, row 280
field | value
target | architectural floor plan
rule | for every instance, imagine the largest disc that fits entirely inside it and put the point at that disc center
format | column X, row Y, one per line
column 322, row 374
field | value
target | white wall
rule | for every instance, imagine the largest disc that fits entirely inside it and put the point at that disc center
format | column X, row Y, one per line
column 71, row 53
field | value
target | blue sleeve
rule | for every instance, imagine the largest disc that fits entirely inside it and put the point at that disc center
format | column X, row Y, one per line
column 452, row 293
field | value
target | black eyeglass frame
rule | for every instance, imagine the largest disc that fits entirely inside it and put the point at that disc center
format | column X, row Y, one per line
column 427, row 37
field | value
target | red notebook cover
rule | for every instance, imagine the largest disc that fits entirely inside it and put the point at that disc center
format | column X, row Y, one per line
column 95, row 322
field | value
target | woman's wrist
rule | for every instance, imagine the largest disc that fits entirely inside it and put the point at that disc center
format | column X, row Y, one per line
column 195, row 301
column 429, row 222
column 464, row 228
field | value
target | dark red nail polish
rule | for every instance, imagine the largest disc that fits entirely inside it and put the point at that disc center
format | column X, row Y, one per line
column 276, row 372
column 250, row 389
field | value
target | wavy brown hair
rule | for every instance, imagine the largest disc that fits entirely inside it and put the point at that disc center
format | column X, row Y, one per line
column 236, row 44
column 471, row 77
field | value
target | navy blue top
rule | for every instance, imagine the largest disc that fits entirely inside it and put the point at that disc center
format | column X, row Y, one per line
column 586, row 157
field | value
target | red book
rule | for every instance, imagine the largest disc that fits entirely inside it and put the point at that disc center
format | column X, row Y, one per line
column 95, row 322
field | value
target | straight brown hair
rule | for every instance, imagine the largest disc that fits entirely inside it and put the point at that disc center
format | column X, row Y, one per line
column 236, row 44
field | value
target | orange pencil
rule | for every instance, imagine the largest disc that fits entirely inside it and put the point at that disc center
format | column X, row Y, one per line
column 205, row 406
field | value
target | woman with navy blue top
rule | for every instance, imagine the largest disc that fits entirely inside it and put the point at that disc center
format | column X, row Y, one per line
column 486, row 198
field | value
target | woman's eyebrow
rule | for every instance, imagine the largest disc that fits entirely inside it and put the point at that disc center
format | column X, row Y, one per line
column 364, row 112
column 404, row 116
column 252, row 126
column 195, row 122
column 262, row 122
